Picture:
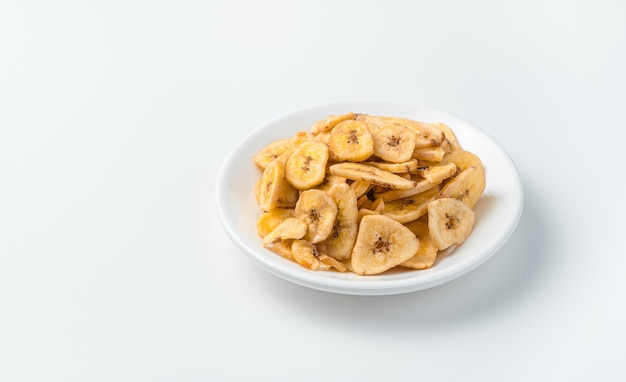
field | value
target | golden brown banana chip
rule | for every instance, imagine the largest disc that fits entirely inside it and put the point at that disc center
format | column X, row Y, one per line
column 370, row 174
column 306, row 166
column 450, row 221
column 427, row 252
column 271, row 185
column 381, row 244
column 394, row 143
column 351, row 141
column 467, row 186
column 411, row 208
column 268, row 221
column 318, row 210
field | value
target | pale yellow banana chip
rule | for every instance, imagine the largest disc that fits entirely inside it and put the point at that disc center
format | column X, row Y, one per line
column 318, row 210
column 427, row 252
column 450, row 221
column 306, row 167
column 351, row 141
column 341, row 239
column 467, row 186
column 381, row 244
column 394, row 143
column 370, row 174
column 271, row 185
column 411, row 208
column 397, row 168
column 327, row 124
column 438, row 173
column 268, row 221
column 290, row 228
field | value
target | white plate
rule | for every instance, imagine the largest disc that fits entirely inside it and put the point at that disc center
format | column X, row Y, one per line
column 497, row 213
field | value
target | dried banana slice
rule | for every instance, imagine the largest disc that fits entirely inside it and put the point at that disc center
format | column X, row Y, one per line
column 450, row 221
column 290, row 228
column 431, row 154
column 370, row 174
column 330, row 122
column 271, row 152
column 463, row 159
column 271, row 185
column 318, row 210
column 428, row 135
column 381, row 244
column 343, row 235
column 306, row 166
column 427, row 252
column 283, row 248
column 268, row 221
column 421, row 185
column 408, row 209
column 394, row 143
column 351, row 141
column 450, row 136
column 311, row 257
column 397, row 168
column 467, row 186
column 438, row 173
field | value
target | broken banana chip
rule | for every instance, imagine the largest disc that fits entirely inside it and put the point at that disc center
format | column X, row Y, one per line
column 366, row 194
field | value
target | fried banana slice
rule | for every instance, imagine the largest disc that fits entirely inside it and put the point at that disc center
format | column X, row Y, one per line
column 268, row 221
column 397, row 168
column 411, row 208
column 450, row 221
column 351, row 141
column 290, row 228
column 271, row 185
column 343, row 235
column 427, row 252
column 394, row 143
column 430, row 154
column 467, row 186
column 381, row 244
column 370, row 174
column 463, row 159
column 318, row 210
column 311, row 257
column 272, row 151
column 306, row 166
column 327, row 124
column 438, row 173
column 421, row 185
column 450, row 136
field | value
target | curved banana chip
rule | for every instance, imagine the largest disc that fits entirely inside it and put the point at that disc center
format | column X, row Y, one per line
column 397, row 168
column 306, row 166
column 351, row 141
column 394, row 143
column 450, row 136
column 318, row 210
column 467, row 186
column 370, row 174
column 330, row 122
column 411, row 208
column 421, row 185
column 271, row 185
column 463, row 159
column 268, row 221
column 450, row 221
column 343, row 235
column 381, row 244
column 290, row 228
column 272, row 151
column 437, row 173
column 427, row 252
column 310, row 256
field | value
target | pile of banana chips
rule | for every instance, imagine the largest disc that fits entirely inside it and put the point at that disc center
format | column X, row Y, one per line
column 364, row 193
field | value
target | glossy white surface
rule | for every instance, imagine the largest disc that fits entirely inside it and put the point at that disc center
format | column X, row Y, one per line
column 116, row 116
column 497, row 213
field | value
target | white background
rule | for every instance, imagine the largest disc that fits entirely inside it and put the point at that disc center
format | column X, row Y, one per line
column 115, row 116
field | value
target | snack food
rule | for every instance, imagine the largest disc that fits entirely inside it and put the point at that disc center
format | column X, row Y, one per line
column 364, row 193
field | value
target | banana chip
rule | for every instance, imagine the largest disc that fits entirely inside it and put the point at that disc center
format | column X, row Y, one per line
column 365, row 194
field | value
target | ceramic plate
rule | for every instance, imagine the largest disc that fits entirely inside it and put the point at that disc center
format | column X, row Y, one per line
column 497, row 212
